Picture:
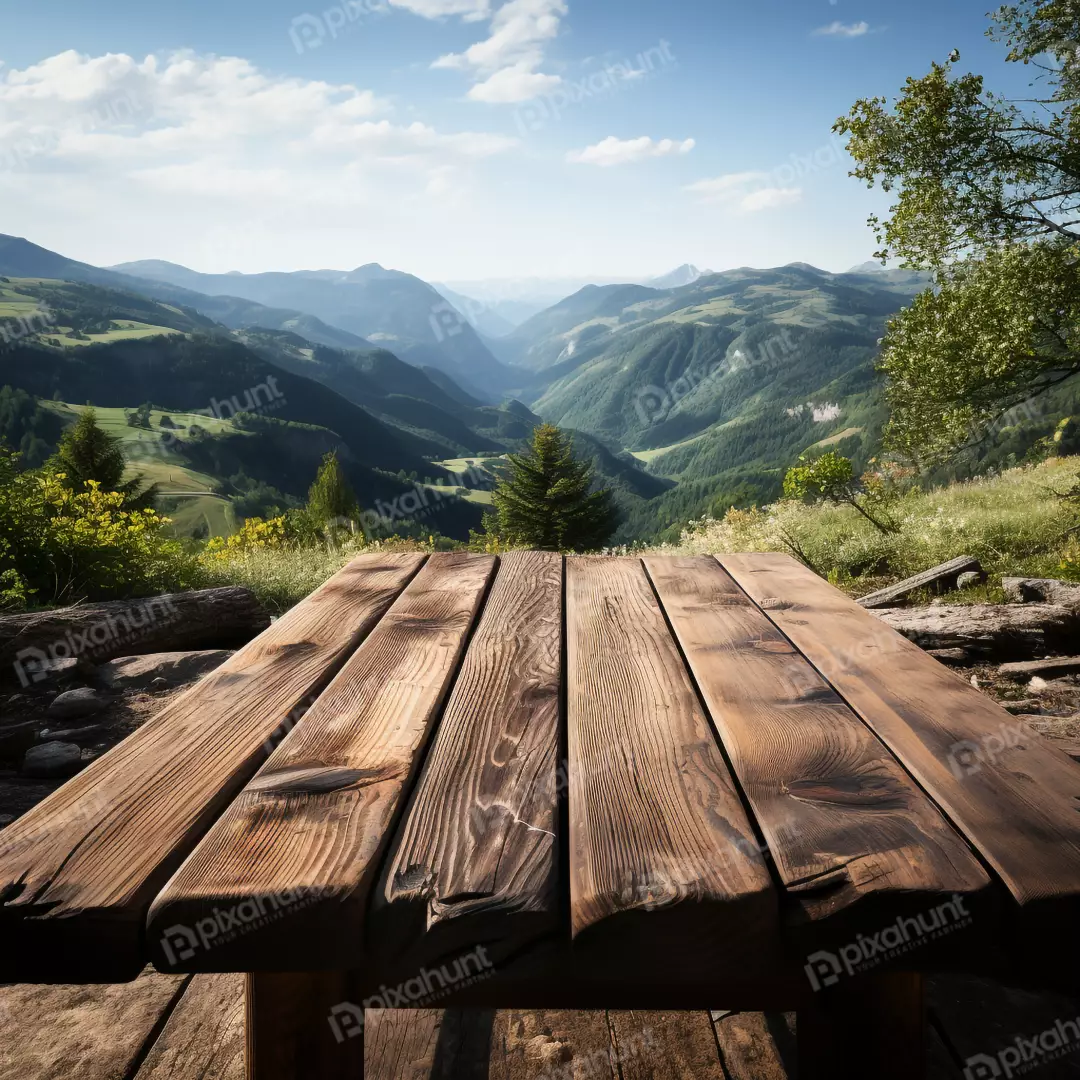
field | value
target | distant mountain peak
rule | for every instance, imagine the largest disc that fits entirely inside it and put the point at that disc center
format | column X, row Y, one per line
column 872, row 266
column 804, row 266
column 686, row 274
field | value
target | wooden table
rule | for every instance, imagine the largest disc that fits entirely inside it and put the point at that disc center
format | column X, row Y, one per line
column 535, row 782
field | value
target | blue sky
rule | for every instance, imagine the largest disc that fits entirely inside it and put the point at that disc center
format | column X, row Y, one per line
column 455, row 139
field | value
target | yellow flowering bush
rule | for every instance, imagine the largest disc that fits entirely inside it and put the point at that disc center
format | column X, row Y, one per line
column 254, row 535
column 59, row 545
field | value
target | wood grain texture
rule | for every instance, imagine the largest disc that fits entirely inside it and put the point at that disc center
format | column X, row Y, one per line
column 664, row 1046
column 757, row 1046
column 204, row 1036
column 666, row 880
column 1018, row 804
column 477, row 858
column 853, row 837
column 551, row 1044
column 287, row 1030
column 400, row 1044
column 302, row 842
column 78, row 872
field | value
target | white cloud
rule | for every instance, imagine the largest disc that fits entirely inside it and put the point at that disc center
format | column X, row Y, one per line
column 839, row 29
column 505, row 63
column 469, row 10
column 749, row 192
column 613, row 151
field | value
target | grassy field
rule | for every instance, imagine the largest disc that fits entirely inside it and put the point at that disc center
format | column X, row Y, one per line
column 13, row 302
column 125, row 330
column 215, row 515
column 1015, row 523
column 838, row 437
column 650, row 455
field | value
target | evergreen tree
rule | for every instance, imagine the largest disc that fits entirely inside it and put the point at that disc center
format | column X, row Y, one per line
column 545, row 499
column 331, row 499
column 86, row 452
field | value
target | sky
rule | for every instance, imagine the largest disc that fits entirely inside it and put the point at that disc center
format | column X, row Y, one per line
column 456, row 139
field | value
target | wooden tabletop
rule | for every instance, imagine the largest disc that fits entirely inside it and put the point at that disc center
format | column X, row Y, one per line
column 643, row 773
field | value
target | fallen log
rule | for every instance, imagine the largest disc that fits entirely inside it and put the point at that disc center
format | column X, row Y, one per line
column 201, row 619
column 990, row 631
column 940, row 578
column 1053, row 666
column 1040, row 591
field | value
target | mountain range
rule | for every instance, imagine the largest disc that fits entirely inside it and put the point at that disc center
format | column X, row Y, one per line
column 690, row 394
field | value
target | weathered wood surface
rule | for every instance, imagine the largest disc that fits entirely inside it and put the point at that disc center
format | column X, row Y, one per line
column 314, row 821
column 401, row 1044
column 78, row 872
column 988, row 631
column 1041, row 591
column 1052, row 667
column 662, row 855
column 201, row 619
column 203, row 1038
column 1017, row 804
column 937, row 577
column 287, row 1029
column 647, row 1045
column 478, row 854
column 757, row 1046
column 852, row 836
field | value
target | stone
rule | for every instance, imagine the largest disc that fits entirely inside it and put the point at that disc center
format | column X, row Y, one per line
column 969, row 578
column 75, row 704
column 84, row 734
column 173, row 668
column 1037, row 685
column 52, row 759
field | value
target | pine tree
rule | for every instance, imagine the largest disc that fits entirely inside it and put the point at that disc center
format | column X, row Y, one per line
column 86, row 452
column 331, row 500
column 545, row 500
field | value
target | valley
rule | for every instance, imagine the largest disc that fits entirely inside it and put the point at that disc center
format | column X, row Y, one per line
column 690, row 394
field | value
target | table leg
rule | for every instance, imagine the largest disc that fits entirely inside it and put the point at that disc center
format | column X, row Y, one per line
column 875, row 1026
column 303, row 1026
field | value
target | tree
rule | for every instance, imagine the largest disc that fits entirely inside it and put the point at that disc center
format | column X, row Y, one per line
column 831, row 478
column 331, row 500
column 989, row 201
column 545, row 498
column 86, row 453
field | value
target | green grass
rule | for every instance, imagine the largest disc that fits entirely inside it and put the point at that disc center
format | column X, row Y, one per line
column 1014, row 523
column 650, row 455
column 215, row 515
column 126, row 330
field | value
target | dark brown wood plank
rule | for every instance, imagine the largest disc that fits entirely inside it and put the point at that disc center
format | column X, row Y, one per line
column 288, row 1034
column 478, row 854
column 855, row 840
column 401, row 1044
column 666, row 880
column 1017, row 804
column 757, row 1046
column 296, row 855
column 943, row 576
column 78, row 872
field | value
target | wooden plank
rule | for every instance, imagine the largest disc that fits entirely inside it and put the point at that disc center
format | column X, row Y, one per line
column 757, row 1046
column 477, row 859
column 854, row 838
column 939, row 577
column 78, row 872
column 288, row 1033
column 1052, row 667
column 666, row 880
column 401, row 1044
column 1015, row 798
column 551, row 1044
column 204, row 1036
column 295, row 856
column 648, row 1045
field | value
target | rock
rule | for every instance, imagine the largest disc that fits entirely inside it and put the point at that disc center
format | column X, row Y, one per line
column 16, row 739
column 87, row 733
column 975, row 681
column 1040, row 591
column 154, row 671
column 1037, row 685
column 969, row 578
column 52, row 759
column 952, row 657
column 75, row 704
